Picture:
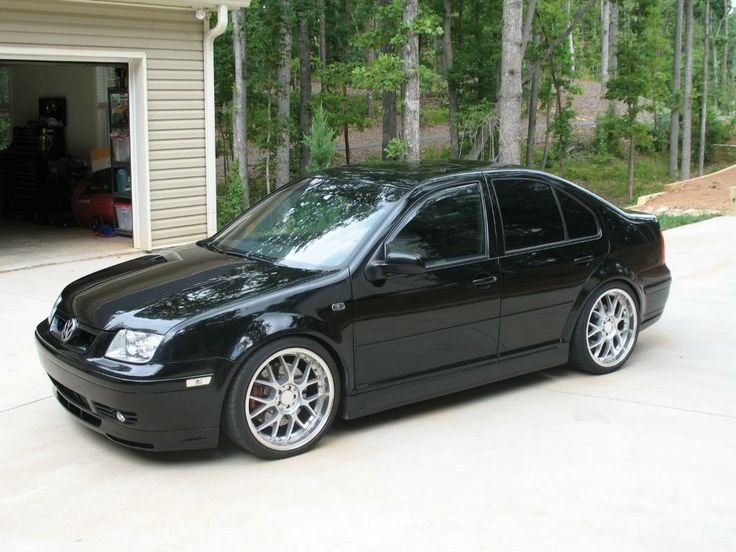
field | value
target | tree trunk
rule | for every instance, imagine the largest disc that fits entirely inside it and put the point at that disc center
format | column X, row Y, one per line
column 509, row 97
column 240, row 146
column 388, row 119
column 570, row 39
column 630, row 170
column 528, row 21
column 268, row 143
column 346, row 136
column 410, row 62
column 676, row 85
column 305, row 87
column 704, row 98
column 283, row 99
column 724, row 71
column 605, row 42
column 388, row 101
column 451, row 84
column 322, row 35
column 531, row 132
column 562, row 145
column 370, row 55
column 687, row 116
column 613, row 41
column 343, row 58
column 545, row 151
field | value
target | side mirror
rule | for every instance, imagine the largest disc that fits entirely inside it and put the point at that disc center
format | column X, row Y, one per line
column 395, row 263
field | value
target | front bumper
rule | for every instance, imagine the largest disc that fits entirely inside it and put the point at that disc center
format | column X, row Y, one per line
column 159, row 415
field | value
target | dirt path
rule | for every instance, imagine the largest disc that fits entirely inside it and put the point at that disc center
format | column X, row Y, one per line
column 707, row 193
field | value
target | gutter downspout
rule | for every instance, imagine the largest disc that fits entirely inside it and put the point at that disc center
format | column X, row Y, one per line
column 209, row 115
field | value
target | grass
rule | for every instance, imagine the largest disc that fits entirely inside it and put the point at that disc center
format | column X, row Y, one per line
column 673, row 221
column 433, row 115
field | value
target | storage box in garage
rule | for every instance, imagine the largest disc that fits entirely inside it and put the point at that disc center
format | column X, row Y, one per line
column 123, row 216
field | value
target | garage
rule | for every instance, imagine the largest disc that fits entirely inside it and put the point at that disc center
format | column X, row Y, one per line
column 64, row 157
column 106, row 126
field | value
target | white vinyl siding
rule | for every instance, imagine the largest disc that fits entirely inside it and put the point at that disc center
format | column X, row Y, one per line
column 172, row 40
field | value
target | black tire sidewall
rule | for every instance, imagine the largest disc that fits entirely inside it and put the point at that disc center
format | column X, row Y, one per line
column 234, row 420
column 580, row 357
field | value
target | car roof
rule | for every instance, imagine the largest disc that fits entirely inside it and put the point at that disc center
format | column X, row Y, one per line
column 408, row 174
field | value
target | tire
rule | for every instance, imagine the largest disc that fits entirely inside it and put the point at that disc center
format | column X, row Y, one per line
column 598, row 328
column 292, row 383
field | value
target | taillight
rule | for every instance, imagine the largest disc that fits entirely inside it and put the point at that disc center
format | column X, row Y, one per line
column 661, row 247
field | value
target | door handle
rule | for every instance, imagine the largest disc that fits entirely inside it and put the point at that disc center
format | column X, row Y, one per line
column 583, row 259
column 485, row 281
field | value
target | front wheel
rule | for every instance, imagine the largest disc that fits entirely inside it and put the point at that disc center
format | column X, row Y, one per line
column 283, row 399
column 606, row 331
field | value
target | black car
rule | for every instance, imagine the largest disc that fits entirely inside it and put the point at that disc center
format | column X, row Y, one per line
column 351, row 291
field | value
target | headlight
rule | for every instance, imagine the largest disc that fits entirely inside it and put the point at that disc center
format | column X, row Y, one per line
column 53, row 309
column 133, row 346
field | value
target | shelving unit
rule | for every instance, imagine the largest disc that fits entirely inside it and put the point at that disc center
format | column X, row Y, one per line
column 119, row 117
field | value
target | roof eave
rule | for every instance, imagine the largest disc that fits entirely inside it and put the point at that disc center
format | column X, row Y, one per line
column 189, row 5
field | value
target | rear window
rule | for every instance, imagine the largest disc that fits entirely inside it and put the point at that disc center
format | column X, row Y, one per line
column 530, row 214
column 579, row 220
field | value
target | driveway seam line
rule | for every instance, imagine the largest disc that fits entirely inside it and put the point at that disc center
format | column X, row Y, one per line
column 25, row 404
column 640, row 403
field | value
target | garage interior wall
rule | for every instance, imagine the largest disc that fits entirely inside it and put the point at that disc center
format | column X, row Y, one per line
column 76, row 83
column 173, row 43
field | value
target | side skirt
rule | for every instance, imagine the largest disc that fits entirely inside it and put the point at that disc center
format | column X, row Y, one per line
column 445, row 383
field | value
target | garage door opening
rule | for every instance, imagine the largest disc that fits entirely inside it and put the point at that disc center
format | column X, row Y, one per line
column 66, row 179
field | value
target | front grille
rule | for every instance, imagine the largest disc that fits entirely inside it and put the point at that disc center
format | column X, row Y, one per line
column 78, row 412
column 82, row 338
column 69, row 395
column 131, row 418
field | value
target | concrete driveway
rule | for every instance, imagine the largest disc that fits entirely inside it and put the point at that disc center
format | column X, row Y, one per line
column 643, row 459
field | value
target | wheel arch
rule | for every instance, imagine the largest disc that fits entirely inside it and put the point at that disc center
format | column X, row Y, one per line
column 590, row 288
column 285, row 335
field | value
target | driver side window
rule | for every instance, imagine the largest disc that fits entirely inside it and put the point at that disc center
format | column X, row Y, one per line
column 447, row 228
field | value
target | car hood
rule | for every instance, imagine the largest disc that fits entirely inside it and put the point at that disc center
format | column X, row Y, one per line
column 157, row 292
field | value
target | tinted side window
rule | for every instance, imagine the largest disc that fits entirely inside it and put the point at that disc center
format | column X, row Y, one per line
column 448, row 227
column 529, row 212
column 579, row 220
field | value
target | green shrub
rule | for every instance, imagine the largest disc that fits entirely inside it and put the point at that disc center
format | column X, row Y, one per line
column 718, row 131
column 396, row 149
column 320, row 141
column 608, row 131
column 229, row 198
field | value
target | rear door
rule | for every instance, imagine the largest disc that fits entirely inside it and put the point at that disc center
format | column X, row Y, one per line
column 545, row 262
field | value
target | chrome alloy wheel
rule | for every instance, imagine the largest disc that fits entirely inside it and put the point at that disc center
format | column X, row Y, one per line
column 611, row 328
column 289, row 399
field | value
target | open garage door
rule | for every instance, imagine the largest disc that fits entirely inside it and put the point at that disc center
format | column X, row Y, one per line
column 66, row 184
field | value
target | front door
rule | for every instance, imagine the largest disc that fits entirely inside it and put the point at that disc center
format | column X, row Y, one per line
column 411, row 325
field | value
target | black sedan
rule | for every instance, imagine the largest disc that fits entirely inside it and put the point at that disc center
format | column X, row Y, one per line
column 351, row 291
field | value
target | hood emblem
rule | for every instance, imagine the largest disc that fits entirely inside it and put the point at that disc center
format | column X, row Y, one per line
column 67, row 332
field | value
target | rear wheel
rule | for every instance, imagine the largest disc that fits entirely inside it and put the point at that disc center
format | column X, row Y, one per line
column 606, row 331
column 283, row 399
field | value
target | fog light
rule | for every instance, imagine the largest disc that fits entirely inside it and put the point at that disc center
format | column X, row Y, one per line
column 120, row 416
column 199, row 382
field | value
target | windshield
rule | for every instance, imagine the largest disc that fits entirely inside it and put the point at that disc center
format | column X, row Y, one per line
column 314, row 223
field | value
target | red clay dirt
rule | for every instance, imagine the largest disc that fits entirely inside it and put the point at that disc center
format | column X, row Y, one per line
column 705, row 193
